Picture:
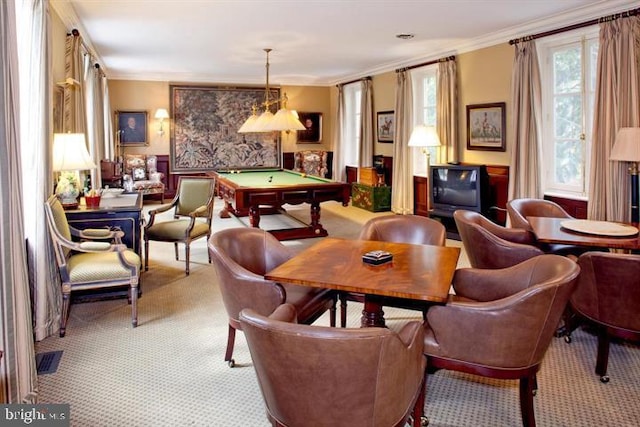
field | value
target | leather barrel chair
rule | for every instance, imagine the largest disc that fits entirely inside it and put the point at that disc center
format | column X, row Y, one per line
column 489, row 245
column 332, row 377
column 608, row 295
column 241, row 257
column 501, row 322
column 413, row 229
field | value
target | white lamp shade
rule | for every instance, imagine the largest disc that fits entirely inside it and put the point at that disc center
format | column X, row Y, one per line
column 424, row 136
column 249, row 124
column 70, row 153
column 262, row 123
column 285, row 120
column 161, row 113
column 627, row 145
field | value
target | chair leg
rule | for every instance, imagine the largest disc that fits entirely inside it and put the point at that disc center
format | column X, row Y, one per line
column 175, row 247
column 332, row 312
column 209, row 253
column 66, row 296
column 133, row 295
column 602, row 360
column 146, row 254
column 419, row 419
column 343, row 310
column 231, row 338
column 186, row 253
column 527, row 385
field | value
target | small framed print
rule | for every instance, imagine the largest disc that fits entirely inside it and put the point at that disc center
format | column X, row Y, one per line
column 132, row 127
column 386, row 126
column 486, row 127
column 313, row 128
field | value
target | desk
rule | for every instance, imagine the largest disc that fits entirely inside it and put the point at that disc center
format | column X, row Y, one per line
column 417, row 272
column 246, row 191
column 549, row 230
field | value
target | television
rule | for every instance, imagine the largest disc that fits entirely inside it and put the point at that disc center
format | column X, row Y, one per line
column 458, row 187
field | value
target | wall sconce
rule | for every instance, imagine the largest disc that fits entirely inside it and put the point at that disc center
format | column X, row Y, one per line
column 161, row 114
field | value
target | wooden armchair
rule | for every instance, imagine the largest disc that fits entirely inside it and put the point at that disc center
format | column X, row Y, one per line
column 90, row 264
column 313, row 162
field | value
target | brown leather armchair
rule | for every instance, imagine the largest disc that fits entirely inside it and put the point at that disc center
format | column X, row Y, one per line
column 607, row 295
column 328, row 377
column 241, row 257
column 501, row 322
column 413, row 229
column 518, row 211
column 489, row 245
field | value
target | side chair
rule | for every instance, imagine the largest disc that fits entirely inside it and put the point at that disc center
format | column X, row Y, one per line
column 489, row 245
column 413, row 229
column 333, row 377
column 193, row 209
column 607, row 295
column 500, row 322
column 90, row 263
column 241, row 257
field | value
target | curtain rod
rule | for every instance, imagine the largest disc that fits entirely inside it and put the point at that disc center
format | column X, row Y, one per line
column 354, row 81
column 424, row 64
column 613, row 17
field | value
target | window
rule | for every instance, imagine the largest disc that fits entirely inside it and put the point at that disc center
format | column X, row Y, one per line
column 424, row 111
column 351, row 136
column 568, row 74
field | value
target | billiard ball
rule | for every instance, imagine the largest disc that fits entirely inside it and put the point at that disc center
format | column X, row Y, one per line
column 270, row 178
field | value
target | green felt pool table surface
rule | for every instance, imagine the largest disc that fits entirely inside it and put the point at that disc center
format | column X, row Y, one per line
column 270, row 178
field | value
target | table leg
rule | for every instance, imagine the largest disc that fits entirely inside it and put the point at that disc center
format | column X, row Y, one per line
column 372, row 315
column 254, row 216
column 315, row 220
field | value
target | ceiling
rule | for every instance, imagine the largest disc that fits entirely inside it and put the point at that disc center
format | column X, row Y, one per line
column 314, row 42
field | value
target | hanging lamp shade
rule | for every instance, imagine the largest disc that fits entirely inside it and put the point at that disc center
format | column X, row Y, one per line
column 285, row 120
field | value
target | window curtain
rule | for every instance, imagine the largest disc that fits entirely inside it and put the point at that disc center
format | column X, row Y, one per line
column 447, row 111
column 109, row 141
column 365, row 158
column 526, row 119
column 18, row 377
column 95, row 117
column 36, row 88
column 616, row 105
column 74, row 102
column 402, row 194
column 338, row 159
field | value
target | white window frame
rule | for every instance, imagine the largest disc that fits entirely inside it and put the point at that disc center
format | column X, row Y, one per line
column 546, row 49
column 424, row 112
column 351, row 127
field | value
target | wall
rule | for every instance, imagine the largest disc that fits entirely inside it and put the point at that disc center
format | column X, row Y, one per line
column 148, row 96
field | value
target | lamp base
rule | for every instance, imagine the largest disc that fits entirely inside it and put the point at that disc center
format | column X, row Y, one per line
column 73, row 205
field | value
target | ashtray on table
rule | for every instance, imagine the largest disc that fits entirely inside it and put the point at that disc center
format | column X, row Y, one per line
column 377, row 257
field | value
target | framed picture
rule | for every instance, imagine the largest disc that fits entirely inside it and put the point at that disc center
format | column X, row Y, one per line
column 313, row 132
column 204, row 133
column 132, row 127
column 386, row 126
column 486, row 127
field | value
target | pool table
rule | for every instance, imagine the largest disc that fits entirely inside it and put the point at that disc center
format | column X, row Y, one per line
column 255, row 191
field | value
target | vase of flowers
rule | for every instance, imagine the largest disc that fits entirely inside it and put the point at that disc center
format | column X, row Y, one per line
column 67, row 189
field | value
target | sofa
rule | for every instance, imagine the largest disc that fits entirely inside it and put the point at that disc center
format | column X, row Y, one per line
column 141, row 174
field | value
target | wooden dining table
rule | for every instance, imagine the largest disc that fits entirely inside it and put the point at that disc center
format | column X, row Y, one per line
column 416, row 272
column 550, row 230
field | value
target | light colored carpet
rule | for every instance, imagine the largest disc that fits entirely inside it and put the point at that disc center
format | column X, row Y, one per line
column 169, row 371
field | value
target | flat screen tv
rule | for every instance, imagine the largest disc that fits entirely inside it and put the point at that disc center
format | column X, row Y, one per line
column 458, row 187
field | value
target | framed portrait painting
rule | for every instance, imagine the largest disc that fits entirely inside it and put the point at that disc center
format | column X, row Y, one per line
column 386, row 126
column 486, row 127
column 132, row 127
column 313, row 128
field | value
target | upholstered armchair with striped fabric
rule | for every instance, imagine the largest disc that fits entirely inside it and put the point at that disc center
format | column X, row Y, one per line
column 97, row 260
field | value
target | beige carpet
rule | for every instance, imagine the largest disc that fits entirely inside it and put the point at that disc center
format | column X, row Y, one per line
column 169, row 371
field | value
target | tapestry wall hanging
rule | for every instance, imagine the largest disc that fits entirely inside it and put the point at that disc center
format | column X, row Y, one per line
column 204, row 131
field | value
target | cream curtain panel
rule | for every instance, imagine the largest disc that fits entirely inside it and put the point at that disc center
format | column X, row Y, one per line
column 365, row 157
column 617, row 104
column 338, row 131
column 35, row 107
column 402, row 194
column 74, row 102
column 18, row 378
column 109, row 142
column 526, row 119
column 447, row 103
column 95, row 117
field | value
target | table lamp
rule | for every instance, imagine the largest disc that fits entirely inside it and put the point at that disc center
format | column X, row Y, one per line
column 627, row 149
column 424, row 136
column 70, row 155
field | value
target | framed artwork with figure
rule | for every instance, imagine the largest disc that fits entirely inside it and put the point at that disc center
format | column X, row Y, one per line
column 132, row 127
column 486, row 127
column 386, row 126
column 313, row 128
